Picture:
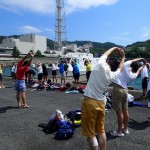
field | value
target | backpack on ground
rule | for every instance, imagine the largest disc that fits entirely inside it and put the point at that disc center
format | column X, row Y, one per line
column 75, row 118
column 65, row 132
column 51, row 127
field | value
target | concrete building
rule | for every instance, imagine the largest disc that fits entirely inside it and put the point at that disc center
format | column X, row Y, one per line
column 72, row 47
column 25, row 43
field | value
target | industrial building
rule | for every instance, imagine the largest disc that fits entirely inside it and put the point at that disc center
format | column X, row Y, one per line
column 24, row 43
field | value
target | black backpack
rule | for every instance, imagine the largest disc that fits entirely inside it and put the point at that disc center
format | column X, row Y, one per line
column 51, row 127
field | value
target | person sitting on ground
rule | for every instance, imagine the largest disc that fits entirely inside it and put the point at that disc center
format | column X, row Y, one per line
column 62, row 72
column 93, row 103
column 20, row 87
column 76, row 72
column 29, row 75
column 54, row 72
column 129, row 72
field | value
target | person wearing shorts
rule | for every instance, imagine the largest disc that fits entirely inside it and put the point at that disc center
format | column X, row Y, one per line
column 62, row 72
column 76, row 72
column 39, row 72
column 145, row 78
column 129, row 72
column 66, row 68
column 20, row 86
column 54, row 72
column 93, row 104
column 88, row 68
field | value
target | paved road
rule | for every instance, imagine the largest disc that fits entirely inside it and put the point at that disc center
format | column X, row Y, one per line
column 19, row 128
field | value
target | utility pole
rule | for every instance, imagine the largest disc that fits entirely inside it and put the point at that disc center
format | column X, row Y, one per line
column 60, row 26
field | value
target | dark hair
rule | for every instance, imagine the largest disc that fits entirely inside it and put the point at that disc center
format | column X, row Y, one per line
column 134, row 66
column 113, row 63
column 43, row 66
column 25, row 62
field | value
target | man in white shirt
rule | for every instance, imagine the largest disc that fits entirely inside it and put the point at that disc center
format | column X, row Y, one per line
column 129, row 72
column 93, row 105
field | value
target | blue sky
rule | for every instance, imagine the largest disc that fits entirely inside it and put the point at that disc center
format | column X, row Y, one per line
column 122, row 22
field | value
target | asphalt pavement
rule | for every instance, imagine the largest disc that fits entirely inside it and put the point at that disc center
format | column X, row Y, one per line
column 19, row 127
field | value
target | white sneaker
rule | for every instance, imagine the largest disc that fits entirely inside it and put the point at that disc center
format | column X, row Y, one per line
column 125, row 131
column 34, row 85
column 115, row 133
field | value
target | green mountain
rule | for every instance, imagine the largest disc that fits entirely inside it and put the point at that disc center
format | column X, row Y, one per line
column 137, row 49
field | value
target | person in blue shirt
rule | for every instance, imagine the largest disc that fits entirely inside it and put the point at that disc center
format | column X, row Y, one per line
column 62, row 72
column 76, row 72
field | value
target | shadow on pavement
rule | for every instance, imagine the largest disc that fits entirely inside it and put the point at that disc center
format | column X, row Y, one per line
column 133, row 124
column 4, row 109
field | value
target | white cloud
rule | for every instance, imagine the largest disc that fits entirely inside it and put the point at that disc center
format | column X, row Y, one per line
column 49, row 6
column 145, row 32
column 29, row 29
column 37, row 6
column 51, row 31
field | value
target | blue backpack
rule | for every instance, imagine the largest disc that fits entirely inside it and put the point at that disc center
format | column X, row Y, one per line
column 65, row 132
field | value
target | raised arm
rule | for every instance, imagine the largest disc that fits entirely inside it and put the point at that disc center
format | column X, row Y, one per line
column 113, row 49
column 31, row 57
column 119, row 52
column 139, row 59
column 140, row 69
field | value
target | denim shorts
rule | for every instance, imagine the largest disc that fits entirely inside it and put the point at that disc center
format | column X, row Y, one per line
column 20, row 85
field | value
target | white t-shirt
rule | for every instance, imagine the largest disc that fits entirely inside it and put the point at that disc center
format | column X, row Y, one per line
column 126, row 75
column 53, row 67
column 100, row 77
column 39, row 69
column 13, row 69
column 144, row 72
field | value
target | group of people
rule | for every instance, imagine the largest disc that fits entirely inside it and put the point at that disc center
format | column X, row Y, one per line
column 107, row 71
column 63, row 70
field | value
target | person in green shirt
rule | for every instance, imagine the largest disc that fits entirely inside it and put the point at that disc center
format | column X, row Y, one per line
column 88, row 68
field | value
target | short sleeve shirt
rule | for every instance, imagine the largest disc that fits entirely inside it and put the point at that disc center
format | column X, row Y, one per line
column 21, row 70
column 126, row 75
column 101, row 76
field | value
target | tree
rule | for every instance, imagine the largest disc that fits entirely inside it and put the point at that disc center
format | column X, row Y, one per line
column 38, row 53
column 16, row 52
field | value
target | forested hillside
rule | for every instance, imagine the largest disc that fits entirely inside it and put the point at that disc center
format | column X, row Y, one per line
column 137, row 49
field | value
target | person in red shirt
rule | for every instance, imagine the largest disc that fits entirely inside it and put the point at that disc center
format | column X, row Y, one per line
column 20, row 86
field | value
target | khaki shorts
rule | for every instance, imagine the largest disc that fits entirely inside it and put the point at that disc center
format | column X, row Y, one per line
column 92, row 117
column 119, row 98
